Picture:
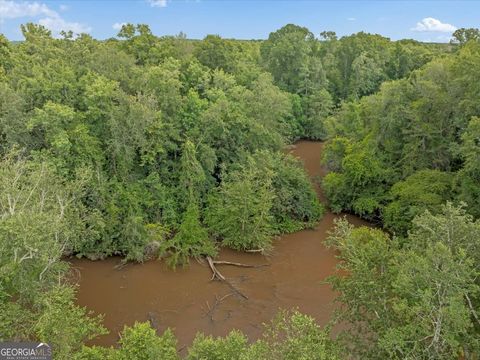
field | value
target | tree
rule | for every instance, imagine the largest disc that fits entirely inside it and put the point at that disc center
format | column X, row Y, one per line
column 286, row 53
column 234, row 346
column 468, row 178
column 292, row 335
column 463, row 35
column 39, row 223
column 433, row 320
column 415, row 301
column 360, row 185
column 142, row 343
column 5, row 56
column 295, row 204
column 60, row 129
column 218, row 53
column 191, row 239
column 64, row 325
column 317, row 107
column 12, row 119
column 424, row 190
column 141, row 43
column 411, row 125
column 192, row 176
column 238, row 212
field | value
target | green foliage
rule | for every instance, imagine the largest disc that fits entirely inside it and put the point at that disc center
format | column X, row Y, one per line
column 95, row 353
column 468, row 178
column 64, row 325
column 463, row 35
column 151, row 120
column 419, row 131
column 190, row 240
column 239, row 211
column 416, row 301
column 232, row 347
column 424, row 190
column 142, row 343
column 38, row 224
column 12, row 131
column 192, row 176
column 360, row 184
column 292, row 335
column 137, row 342
column 295, row 205
column 147, row 131
column 287, row 54
column 215, row 52
column 41, row 220
column 317, row 107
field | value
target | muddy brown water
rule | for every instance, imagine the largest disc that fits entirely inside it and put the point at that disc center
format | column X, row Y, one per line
column 181, row 299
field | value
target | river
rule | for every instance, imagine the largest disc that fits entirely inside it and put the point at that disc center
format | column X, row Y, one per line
column 181, row 299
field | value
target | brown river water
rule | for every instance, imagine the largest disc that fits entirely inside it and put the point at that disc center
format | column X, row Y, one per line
column 181, row 299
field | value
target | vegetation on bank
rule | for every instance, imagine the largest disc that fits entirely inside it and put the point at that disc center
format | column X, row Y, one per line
column 411, row 146
column 290, row 336
column 154, row 147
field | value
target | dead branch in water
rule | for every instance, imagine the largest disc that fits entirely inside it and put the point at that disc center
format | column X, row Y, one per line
column 218, row 262
column 152, row 319
column 121, row 265
column 211, row 310
column 218, row 275
column 255, row 251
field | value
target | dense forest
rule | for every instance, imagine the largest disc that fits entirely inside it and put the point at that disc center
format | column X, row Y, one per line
column 169, row 148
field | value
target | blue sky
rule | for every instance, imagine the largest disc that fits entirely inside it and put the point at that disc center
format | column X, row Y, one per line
column 245, row 19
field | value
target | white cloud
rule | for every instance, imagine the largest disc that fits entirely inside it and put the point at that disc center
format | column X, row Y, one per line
column 158, row 3
column 351, row 19
column 12, row 9
column 63, row 7
column 118, row 26
column 50, row 18
column 57, row 24
column 430, row 24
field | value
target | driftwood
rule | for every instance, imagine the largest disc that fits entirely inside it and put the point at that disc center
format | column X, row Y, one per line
column 211, row 309
column 121, row 265
column 218, row 262
column 218, row 276
column 255, row 251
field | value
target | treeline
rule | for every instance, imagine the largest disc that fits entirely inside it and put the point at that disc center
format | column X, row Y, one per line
column 410, row 147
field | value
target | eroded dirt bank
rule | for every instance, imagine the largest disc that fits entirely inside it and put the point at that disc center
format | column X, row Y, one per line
column 181, row 299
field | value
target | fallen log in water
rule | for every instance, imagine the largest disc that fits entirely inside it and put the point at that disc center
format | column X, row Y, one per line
column 219, row 262
column 218, row 275
column 255, row 251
